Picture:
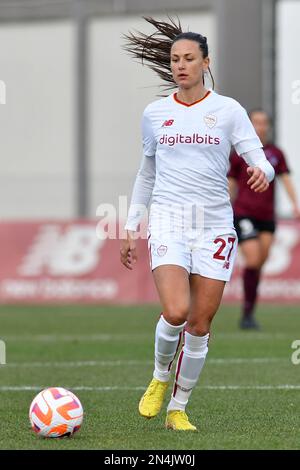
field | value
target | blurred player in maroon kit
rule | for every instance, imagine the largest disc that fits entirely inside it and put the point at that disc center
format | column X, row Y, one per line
column 254, row 214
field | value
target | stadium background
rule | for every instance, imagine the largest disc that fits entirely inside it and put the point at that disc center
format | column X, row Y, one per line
column 70, row 110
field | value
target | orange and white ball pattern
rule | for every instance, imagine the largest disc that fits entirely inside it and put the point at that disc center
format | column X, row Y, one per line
column 55, row 412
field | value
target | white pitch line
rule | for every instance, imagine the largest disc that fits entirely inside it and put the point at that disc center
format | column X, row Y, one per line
column 138, row 336
column 21, row 388
column 66, row 338
column 247, row 360
column 250, row 335
column 118, row 363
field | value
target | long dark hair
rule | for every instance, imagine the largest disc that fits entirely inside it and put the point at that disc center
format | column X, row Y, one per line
column 154, row 50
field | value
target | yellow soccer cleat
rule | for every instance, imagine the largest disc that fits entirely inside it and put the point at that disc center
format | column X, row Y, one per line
column 152, row 400
column 178, row 421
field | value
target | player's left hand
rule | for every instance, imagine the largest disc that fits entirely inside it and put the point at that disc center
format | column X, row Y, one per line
column 257, row 181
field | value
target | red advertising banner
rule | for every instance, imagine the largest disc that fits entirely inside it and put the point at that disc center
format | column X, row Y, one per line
column 280, row 280
column 65, row 262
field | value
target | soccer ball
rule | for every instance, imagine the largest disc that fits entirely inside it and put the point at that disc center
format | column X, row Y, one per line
column 55, row 412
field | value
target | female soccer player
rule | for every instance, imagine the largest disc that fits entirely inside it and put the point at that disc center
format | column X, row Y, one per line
column 187, row 137
column 254, row 214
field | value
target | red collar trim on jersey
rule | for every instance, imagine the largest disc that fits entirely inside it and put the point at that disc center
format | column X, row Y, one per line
column 192, row 104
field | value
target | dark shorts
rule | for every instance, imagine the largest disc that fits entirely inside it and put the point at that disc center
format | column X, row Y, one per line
column 248, row 228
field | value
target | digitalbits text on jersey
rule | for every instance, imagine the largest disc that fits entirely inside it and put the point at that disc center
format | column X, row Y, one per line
column 196, row 138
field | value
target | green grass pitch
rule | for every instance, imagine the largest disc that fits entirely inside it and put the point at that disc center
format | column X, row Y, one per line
column 248, row 396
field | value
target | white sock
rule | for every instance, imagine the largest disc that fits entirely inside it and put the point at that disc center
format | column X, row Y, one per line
column 189, row 366
column 167, row 340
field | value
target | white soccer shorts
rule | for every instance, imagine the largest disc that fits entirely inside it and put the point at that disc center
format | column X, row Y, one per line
column 209, row 252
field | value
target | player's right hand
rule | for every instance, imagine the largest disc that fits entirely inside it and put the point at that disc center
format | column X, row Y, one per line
column 128, row 251
column 257, row 181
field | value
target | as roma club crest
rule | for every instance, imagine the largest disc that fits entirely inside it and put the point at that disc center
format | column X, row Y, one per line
column 210, row 120
column 162, row 250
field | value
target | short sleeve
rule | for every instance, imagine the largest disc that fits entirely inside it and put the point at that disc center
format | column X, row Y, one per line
column 149, row 141
column 243, row 135
column 282, row 166
column 235, row 165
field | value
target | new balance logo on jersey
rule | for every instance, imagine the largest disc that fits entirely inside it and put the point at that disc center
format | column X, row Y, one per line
column 188, row 139
column 168, row 123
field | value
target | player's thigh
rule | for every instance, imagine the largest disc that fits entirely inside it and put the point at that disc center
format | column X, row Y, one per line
column 172, row 284
column 206, row 296
column 265, row 239
column 251, row 252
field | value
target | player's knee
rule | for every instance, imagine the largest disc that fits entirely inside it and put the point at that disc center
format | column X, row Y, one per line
column 199, row 328
column 176, row 314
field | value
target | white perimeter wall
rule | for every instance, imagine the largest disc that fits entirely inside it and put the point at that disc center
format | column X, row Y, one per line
column 288, row 93
column 37, row 126
column 37, row 122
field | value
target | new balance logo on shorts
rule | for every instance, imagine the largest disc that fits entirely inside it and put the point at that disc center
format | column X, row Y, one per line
column 226, row 265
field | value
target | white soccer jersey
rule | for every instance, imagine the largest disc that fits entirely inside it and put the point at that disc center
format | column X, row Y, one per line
column 191, row 145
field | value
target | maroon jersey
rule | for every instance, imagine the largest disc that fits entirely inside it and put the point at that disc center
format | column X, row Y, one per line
column 248, row 203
